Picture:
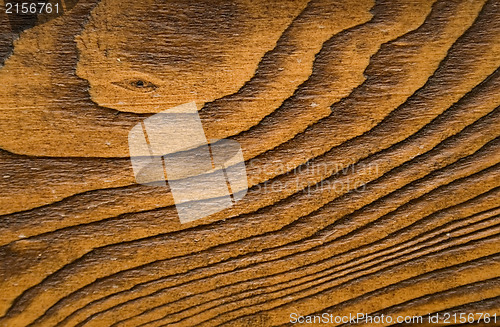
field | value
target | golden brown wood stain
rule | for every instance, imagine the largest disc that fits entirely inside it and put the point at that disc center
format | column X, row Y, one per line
column 394, row 103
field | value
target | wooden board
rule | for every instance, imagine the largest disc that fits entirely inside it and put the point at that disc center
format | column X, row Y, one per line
column 370, row 134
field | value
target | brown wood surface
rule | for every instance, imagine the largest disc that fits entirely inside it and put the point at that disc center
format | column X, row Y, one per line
column 370, row 133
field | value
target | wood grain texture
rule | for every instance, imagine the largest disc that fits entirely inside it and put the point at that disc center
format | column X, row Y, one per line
column 370, row 133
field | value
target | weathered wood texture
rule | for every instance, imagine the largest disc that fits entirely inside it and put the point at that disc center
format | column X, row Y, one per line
column 370, row 133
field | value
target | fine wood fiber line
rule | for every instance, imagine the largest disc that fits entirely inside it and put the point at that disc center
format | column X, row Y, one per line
column 369, row 132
